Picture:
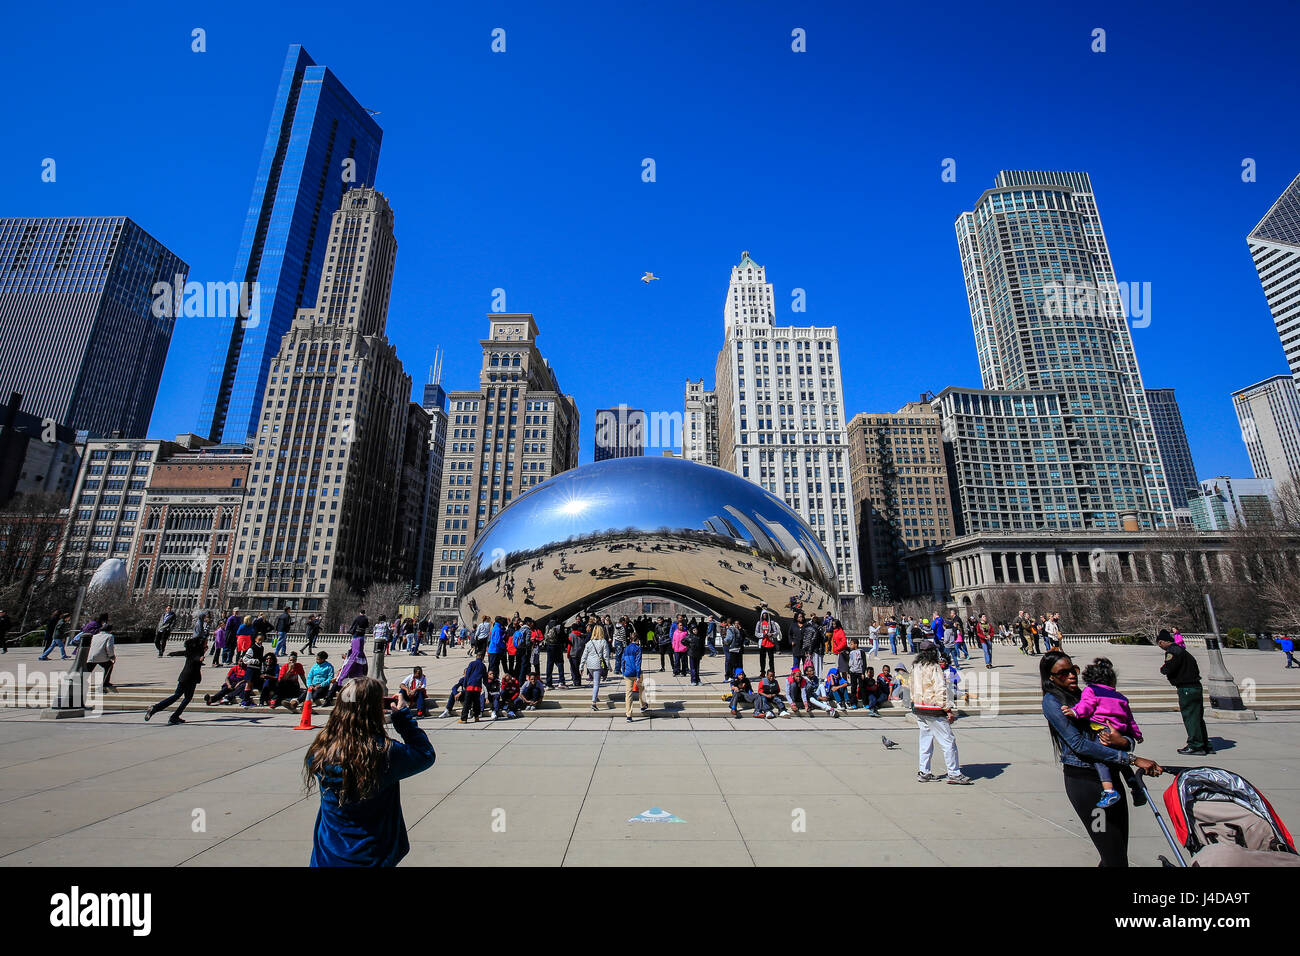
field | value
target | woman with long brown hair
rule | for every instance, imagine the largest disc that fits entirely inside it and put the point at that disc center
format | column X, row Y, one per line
column 358, row 766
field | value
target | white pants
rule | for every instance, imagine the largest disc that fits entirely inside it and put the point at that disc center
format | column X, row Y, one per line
column 937, row 727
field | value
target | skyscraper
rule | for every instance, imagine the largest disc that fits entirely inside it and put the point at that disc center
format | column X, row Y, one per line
column 1224, row 504
column 900, row 489
column 1171, row 437
column 328, row 488
column 780, row 414
column 620, row 433
column 1275, row 247
column 83, row 332
column 1048, row 316
column 320, row 143
column 434, row 404
column 513, row 432
column 1269, row 415
column 700, row 426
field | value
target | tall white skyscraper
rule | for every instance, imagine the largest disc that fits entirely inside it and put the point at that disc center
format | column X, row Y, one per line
column 1275, row 247
column 781, row 422
column 700, row 424
column 1269, row 415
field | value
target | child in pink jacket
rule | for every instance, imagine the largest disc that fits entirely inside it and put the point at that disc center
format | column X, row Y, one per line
column 1107, row 708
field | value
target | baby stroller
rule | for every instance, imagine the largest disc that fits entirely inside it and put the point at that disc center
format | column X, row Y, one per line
column 1221, row 820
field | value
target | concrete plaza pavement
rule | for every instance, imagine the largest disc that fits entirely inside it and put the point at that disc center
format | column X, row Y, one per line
column 226, row 788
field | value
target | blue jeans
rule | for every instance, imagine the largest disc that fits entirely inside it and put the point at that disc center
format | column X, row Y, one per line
column 59, row 643
column 959, row 647
column 988, row 653
column 595, row 685
column 281, row 643
column 893, row 643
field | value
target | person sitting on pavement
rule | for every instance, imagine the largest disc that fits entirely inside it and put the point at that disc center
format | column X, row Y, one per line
column 742, row 692
column 412, row 691
column 768, row 702
column 288, row 686
column 531, row 694
column 233, row 684
column 320, row 680
column 454, row 696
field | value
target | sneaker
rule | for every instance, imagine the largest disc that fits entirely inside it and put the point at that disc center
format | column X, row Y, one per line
column 785, row 713
column 628, row 719
column 961, row 780
column 770, row 716
column 176, row 720
column 923, row 777
column 207, row 699
column 1108, row 798
column 835, row 713
column 1139, row 797
column 148, row 714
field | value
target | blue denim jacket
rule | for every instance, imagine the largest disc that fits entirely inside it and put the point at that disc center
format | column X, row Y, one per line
column 1077, row 748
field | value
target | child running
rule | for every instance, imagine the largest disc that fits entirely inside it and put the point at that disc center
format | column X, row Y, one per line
column 1102, row 704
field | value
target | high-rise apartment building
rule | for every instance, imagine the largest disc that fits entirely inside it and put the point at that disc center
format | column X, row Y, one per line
column 780, row 414
column 900, row 490
column 515, row 431
column 1275, row 247
column 1171, row 437
column 320, row 143
column 1225, row 504
column 1269, row 415
column 700, row 424
column 1048, row 316
column 620, row 433
column 84, row 328
column 325, row 495
column 1009, row 461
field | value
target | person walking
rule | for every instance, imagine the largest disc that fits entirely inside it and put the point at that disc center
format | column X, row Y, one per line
column 577, row 643
column 595, row 658
column 283, row 623
column 1078, row 748
column 1052, row 628
column 313, row 632
column 56, row 634
column 1181, row 669
column 5, row 623
column 631, row 670
column 934, row 707
column 840, row 645
column 163, row 632
column 103, row 651
column 984, row 635
column 233, row 623
column 196, row 649
column 1287, row 646
column 695, row 648
column 358, row 769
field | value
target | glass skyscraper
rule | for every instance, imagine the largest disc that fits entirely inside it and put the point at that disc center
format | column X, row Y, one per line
column 1048, row 316
column 80, row 337
column 320, row 143
column 1171, row 436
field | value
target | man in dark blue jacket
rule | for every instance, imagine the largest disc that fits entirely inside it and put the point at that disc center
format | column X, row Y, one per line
column 475, row 679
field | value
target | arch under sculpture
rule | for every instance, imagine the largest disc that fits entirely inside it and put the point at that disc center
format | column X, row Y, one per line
column 624, row 527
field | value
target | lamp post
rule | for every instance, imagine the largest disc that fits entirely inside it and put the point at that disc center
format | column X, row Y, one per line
column 1225, row 699
column 71, row 698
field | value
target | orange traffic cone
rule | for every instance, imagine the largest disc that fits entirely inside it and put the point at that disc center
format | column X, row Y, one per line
column 305, row 722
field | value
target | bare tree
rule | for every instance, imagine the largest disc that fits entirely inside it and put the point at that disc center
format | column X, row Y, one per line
column 1147, row 611
column 340, row 605
column 384, row 597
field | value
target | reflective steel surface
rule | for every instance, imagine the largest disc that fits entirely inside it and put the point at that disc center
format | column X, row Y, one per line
column 646, row 526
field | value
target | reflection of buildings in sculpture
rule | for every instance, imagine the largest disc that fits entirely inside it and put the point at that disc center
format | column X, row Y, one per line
column 620, row 433
column 747, row 551
column 780, row 398
column 1227, row 504
column 503, row 439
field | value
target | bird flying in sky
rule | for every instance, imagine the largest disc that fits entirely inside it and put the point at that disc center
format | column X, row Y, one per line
column 649, row 277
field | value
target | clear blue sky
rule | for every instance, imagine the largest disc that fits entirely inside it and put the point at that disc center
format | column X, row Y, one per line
column 522, row 170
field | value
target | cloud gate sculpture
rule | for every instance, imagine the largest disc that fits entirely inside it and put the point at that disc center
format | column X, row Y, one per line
column 615, row 529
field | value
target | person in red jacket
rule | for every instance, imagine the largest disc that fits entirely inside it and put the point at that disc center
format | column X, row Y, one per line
column 840, row 646
column 984, row 634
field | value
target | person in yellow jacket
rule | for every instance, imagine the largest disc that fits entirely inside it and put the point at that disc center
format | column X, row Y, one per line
column 934, row 706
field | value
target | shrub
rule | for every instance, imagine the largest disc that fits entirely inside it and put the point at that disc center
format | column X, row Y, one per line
column 1236, row 637
column 1129, row 639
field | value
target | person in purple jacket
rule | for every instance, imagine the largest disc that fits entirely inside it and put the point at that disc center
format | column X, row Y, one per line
column 232, row 629
column 354, row 665
column 1106, row 708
